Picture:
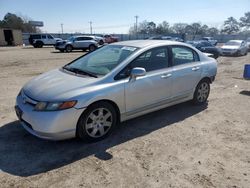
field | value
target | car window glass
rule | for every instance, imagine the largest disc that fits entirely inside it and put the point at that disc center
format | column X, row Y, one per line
column 79, row 38
column 50, row 37
column 183, row 55
column 43, row 36
column 36, row 36
column 152, row 60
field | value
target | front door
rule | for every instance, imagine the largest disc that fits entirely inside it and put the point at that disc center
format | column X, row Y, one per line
column 153, row 88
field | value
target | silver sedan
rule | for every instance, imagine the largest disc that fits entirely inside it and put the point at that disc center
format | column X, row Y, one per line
column 88, row 97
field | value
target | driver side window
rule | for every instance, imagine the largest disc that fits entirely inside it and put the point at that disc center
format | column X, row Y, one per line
column 150, row 60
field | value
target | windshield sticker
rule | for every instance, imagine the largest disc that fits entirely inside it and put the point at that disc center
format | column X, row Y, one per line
column 129, row 48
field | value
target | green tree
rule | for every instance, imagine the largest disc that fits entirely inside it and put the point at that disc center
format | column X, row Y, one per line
column 245, row 20
column 231, row 25
column 179, row 28
column 163, row 28
column 212, row 31
column 15, row 22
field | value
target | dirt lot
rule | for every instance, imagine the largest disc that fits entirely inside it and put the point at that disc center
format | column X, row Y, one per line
column 181, row 146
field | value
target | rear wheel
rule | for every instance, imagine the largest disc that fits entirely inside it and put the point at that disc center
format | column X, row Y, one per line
column 68, row 48
column 101, row 42
column 92, row 48
column 97, row 122
column 201, row 92
column 39, row 44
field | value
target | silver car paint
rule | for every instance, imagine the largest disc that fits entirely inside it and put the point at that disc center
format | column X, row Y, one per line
column 132, row 97
column 232, row 50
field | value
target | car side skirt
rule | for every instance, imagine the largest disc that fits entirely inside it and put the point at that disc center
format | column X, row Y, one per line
column 156, row 106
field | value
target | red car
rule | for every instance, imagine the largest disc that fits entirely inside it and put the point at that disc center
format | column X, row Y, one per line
column 110, row 39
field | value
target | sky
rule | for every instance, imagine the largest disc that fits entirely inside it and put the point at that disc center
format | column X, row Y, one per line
column 117, row 16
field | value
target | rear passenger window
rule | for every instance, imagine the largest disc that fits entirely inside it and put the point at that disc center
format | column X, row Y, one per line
column 43, row 36
column 183, row 55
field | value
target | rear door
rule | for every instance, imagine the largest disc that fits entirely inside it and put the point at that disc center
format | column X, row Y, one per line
column 186, row 70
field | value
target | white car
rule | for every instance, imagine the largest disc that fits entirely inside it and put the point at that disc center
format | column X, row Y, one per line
column 234, row 48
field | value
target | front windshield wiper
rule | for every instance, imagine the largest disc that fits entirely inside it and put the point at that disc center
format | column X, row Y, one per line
column 79, row 71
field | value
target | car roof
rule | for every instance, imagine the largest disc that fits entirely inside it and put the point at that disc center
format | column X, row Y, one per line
column 239, row 41
column 83, row 36
column 147, row 43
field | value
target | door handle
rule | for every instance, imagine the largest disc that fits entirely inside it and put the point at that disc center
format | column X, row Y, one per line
column 164, row 76
column 195, row 68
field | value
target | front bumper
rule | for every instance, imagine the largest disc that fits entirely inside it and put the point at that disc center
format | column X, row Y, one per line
column 229, row 53
column 51, row 125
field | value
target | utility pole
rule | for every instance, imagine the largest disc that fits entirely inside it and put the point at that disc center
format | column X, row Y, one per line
column 136, row 25
column 62, row 27
column 90, row 24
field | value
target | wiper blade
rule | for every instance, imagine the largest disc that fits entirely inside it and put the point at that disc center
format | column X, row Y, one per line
column 79, row 71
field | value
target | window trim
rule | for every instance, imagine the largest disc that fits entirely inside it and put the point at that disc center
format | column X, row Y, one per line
column 180, row 46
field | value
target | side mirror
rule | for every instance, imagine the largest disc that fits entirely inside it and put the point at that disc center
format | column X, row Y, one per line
column 137, row 72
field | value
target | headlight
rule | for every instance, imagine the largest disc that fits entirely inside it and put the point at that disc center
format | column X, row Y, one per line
column 52, row 106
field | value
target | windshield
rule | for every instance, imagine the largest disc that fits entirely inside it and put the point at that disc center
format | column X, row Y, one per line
column 233, row 43
column 71, row 38
column 103, row 60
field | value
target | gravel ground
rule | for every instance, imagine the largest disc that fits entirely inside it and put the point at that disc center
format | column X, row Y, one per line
column 180, row 146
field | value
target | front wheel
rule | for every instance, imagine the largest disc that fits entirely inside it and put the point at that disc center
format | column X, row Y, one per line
column 97, row 122
column 92, row 48
column 201, row 92
column 68, row 48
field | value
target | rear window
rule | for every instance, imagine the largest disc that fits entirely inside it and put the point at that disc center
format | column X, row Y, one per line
column 183, row 55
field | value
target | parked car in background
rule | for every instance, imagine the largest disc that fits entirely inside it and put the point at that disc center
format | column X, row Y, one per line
column 40, row 40
column 207, row 47
column 77, row 42
column 248, row 43
column 166, row 38
column 234, row 48
column 99, row 39
column 110, row 39
column 178, row 39
column 211, row 40
column 120, row 81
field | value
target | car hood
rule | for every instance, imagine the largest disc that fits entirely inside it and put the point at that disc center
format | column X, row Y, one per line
column 56, row 85
column 230, row 47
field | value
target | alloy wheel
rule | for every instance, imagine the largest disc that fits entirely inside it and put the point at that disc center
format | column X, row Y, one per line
column 203, row 92
column 98, row 122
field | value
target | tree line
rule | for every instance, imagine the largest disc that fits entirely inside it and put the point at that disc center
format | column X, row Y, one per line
column 230, row 26
column 17, row 22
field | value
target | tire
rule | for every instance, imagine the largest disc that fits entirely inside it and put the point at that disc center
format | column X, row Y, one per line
column 97, row 122
column 92, row 48
column 68, row 48
column 201, row 92
column 101, row 42
column 39, row 44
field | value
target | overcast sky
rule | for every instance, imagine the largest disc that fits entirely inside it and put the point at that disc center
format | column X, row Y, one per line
column 116, row 16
